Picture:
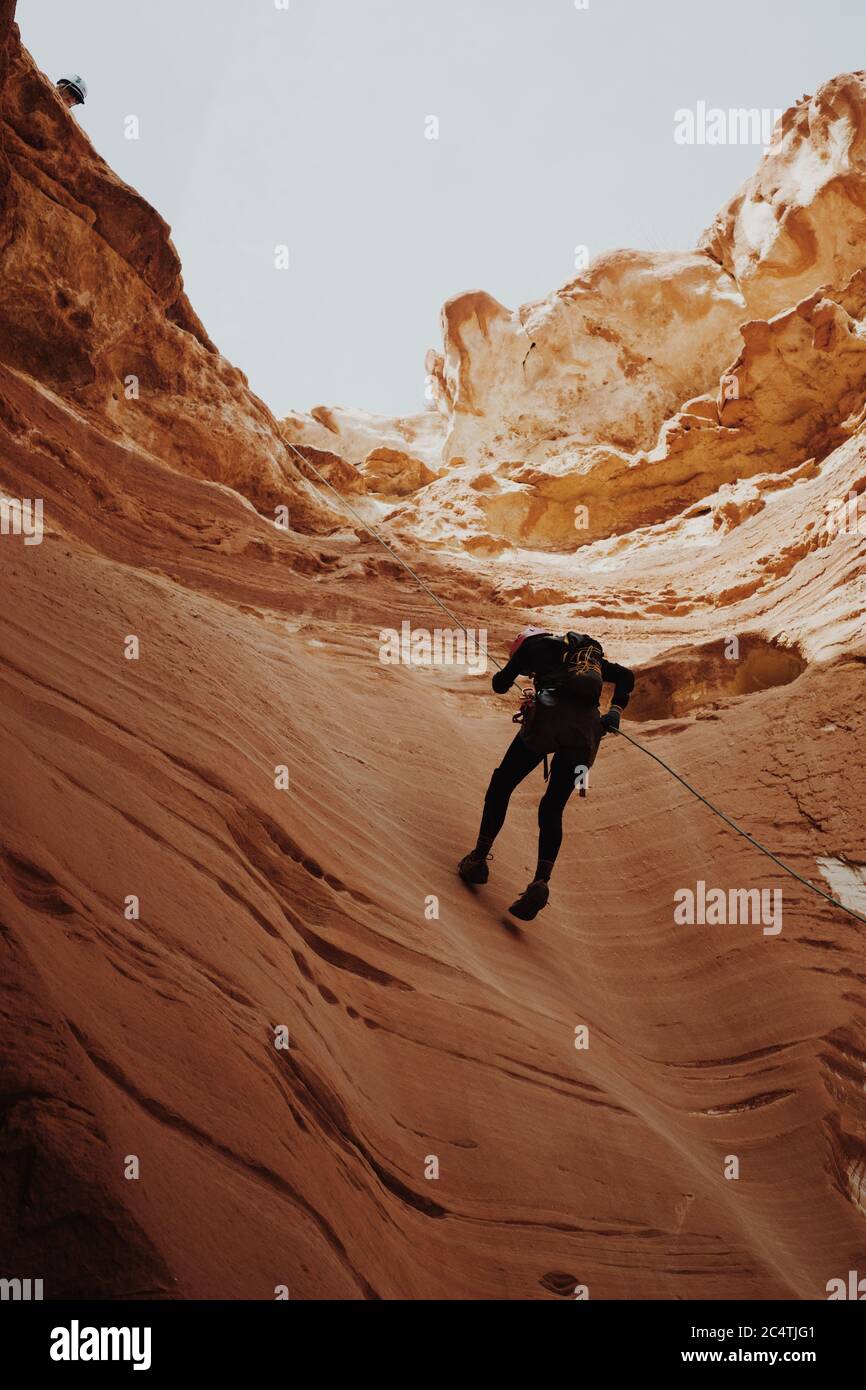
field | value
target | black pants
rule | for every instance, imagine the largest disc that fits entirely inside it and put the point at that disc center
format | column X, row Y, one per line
column 518, row 762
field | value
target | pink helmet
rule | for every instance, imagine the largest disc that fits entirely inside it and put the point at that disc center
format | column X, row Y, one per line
column 527, row 632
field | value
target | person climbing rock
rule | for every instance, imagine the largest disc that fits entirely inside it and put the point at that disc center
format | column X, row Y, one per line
column 561, row 716
column 72, row 89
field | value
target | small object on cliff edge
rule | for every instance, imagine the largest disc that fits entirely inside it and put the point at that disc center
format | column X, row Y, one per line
column 72, row 89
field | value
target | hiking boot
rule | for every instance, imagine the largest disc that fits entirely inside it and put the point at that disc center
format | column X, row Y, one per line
column 472, row 869
column 530, row 903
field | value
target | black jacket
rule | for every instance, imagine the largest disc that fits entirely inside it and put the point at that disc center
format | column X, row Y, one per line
column 542, row 657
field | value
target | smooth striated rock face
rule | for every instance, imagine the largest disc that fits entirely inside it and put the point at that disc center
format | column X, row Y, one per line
column 232, row 942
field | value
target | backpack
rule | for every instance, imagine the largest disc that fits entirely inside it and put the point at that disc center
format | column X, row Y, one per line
column 561, row 714
column 579, row 678
column 581, row 661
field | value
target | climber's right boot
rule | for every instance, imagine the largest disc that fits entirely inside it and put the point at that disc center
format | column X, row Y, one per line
column 531, row 901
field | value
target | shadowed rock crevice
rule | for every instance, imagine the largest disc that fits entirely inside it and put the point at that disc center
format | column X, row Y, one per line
column 689, row 679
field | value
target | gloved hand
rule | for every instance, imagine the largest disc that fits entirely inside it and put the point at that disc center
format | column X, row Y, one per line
column 610, row 721
column 500, row 685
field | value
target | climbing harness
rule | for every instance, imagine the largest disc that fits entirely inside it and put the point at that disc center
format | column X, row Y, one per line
column 528, row 700
column 527, row 704
column 525, row 716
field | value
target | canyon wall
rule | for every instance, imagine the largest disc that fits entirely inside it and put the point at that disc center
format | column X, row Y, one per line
column 234, row 947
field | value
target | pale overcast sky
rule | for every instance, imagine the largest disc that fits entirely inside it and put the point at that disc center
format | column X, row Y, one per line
column 305, row 126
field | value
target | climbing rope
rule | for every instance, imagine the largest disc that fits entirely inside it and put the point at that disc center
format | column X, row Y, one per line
column 740, row 831
column 621, row 733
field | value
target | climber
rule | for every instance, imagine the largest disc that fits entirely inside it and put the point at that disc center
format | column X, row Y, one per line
column 72, row 89
column 561, row 717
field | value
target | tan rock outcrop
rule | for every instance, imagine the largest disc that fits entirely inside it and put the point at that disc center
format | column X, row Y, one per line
column 800, row 220
column 796, row 391
column 604, row 359
column 354, row 434
column 392, row 473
